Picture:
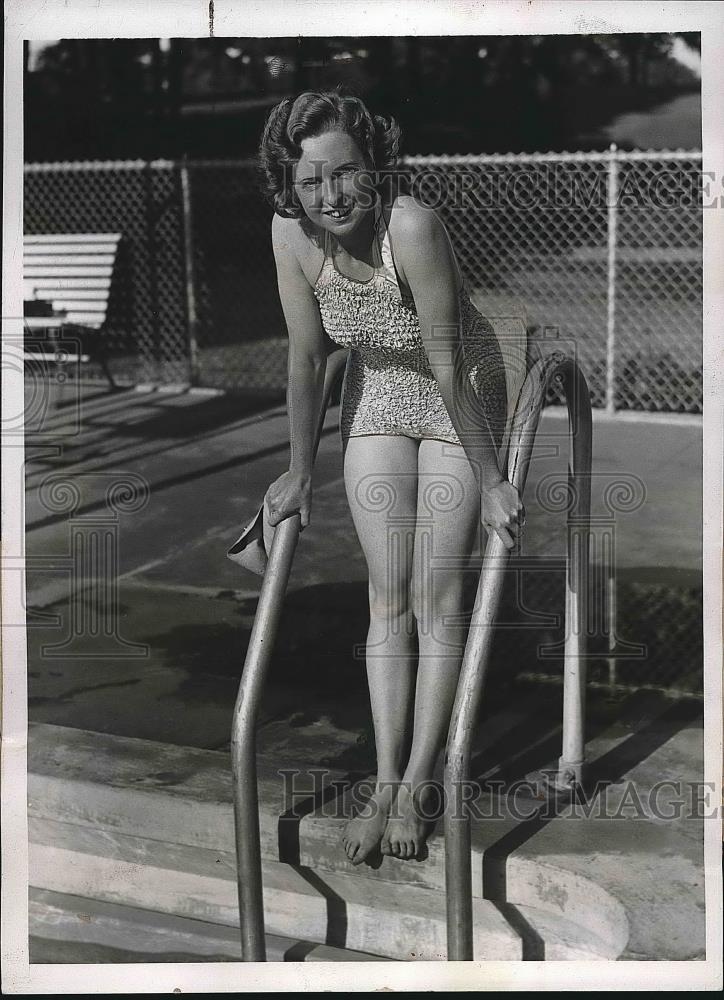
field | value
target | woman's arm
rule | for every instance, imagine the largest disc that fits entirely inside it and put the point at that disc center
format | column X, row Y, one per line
column 428, row 264
column 307, row 361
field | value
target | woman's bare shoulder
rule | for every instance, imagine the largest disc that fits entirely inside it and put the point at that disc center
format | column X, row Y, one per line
column 285, row 233
column 294, row 234
column 419, row 236
column 295, row 240
column 296, row 246
column 409, row 219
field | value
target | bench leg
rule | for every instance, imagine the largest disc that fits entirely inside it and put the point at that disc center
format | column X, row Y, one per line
column 102, row 357
column 99, row 352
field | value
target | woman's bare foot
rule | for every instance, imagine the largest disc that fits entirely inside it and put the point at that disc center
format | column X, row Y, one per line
column 363, row 832
column 410, row 826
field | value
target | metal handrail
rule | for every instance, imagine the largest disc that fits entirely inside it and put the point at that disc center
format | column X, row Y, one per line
column 246, row 709
column 458, row 866
column 474, row 667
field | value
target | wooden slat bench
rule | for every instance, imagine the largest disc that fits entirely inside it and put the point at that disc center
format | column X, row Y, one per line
column 66, row 287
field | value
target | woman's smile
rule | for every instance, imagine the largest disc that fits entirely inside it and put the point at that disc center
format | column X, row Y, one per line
column 339, row 213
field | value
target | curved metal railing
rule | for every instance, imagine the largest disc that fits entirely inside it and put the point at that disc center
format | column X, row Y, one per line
column 246, row 709
column 474, row 667
column 458, row 866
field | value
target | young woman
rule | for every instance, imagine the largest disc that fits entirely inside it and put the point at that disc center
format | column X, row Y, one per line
column 423, row 412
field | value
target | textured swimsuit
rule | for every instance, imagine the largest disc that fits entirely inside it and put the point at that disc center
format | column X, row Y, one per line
column 389, row 386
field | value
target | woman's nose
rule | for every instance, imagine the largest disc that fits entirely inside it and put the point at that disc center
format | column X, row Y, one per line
column 329, row 191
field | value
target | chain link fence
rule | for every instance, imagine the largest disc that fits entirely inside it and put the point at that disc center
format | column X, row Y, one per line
column 239, row 327
column 598, row 253
column 657, row 276
column 644, row 632
column 146, row 329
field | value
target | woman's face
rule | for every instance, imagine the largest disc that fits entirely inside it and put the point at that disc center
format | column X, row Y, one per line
column 334, row 182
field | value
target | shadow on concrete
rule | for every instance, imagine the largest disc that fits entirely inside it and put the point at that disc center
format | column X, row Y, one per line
column 184, row 415
column 313, row 651
column 314, row 671
column 664, row 720
column 171, row 481
column 290, row 853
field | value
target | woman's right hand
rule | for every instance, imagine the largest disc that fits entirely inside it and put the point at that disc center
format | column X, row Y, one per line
column 504, row 513
column 290, row 493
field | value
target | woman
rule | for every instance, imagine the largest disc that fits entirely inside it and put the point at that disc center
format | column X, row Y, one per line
column 423, row 412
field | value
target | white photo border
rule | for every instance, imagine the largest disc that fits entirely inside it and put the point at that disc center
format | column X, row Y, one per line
column 38, row 19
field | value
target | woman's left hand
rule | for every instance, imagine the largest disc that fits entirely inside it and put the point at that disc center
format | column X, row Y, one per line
column 503, row 512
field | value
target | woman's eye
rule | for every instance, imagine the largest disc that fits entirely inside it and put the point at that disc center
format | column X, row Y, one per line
column 313, row 182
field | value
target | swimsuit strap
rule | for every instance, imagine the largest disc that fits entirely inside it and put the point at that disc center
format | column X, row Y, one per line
column 389, row 261
column 385, row 248
column 377, row 250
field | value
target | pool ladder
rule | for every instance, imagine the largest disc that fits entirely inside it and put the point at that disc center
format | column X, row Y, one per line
column 558, row 368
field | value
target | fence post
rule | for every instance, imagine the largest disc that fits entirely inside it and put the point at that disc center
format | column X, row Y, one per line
column 611, row 201
column 611, row 624
column 189, row 275
column 151, row 234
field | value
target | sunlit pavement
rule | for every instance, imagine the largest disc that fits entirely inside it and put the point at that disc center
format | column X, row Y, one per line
column 165, row 665
column 175, row 625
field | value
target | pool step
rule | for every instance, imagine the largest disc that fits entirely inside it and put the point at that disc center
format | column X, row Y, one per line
column 66, row 928
column 134, row 823
column 394, row 921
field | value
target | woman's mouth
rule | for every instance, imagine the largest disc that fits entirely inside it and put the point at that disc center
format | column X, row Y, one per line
column 338, row 213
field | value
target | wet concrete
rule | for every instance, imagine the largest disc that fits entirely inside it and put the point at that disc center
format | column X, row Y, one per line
column 173, row 635
column 617, row 870
column 164, row 665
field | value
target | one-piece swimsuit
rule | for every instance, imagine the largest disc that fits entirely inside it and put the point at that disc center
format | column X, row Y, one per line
column 389, row 385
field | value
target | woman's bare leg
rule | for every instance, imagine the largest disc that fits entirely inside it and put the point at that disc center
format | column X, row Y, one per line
column 380, row 474
column 448, row 514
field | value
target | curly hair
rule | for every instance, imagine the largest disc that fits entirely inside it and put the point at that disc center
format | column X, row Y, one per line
column 311, row 114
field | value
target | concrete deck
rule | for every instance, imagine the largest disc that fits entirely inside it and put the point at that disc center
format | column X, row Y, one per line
column 148, row 825
column 207, row 464
column 184, row 615
column 184, row 611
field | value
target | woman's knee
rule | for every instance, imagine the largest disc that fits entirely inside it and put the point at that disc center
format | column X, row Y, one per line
column 391, row 602
column 437, row 600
